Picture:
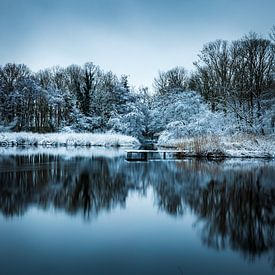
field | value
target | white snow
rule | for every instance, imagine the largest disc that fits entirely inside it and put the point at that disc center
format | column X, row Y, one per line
column 237, row 145
column 184, row 121
column 67, row 139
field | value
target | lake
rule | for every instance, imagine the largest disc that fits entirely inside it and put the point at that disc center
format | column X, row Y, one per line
column 89, row 211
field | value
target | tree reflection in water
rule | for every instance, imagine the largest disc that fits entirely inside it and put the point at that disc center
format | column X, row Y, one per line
column 234, row 201
column 235, row 206
column 79, row 184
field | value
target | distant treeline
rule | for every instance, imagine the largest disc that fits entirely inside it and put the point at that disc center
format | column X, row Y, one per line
column 83, row 97
column 235, row 78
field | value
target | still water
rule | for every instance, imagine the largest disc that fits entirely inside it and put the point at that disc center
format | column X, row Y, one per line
column 88, row 211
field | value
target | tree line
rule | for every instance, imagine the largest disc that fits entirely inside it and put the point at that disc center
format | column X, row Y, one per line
column 236, row 78
column 82, row 97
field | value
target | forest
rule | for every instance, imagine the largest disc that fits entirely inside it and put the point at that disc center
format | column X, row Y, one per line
column 231, row 89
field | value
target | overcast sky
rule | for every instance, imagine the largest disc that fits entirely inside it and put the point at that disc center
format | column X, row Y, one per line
column 133, row 37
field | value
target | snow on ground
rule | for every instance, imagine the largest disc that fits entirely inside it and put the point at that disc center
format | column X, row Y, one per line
column 237, row 145
column 67, row 139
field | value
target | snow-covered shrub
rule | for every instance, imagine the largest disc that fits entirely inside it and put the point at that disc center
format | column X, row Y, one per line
column 67, row 139
column 131, row 123
column 185, row 114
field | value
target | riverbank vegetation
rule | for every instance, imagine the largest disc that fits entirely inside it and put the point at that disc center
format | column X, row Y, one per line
column 230, row 93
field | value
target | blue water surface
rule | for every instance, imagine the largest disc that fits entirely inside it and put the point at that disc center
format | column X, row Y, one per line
column 92, row 212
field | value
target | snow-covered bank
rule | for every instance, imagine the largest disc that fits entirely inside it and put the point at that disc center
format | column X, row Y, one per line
column 67, row 139
column 238, row 145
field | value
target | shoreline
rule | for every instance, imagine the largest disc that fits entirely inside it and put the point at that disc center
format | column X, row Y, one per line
column 67, row 140
column 239, row 145
column 212, row 155
column 208, row 147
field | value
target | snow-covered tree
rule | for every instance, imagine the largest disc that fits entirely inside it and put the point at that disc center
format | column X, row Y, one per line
column 182, row 114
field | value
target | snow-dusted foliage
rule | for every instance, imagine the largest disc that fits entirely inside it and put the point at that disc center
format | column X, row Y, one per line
column 130, row 122
column 237, row 77
column 235, row 84
column 183, row 113
column 67, row 139
column 72, row 99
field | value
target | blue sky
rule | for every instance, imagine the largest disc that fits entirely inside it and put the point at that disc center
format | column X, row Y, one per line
column 133, row 37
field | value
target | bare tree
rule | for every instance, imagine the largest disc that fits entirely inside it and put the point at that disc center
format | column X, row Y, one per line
column 11, row 73
column 215, row 70
column 235, row 75
column 90, row 82
column 175, row 78
column 44, row 77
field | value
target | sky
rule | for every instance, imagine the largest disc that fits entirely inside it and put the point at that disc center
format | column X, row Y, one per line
column 138, row 38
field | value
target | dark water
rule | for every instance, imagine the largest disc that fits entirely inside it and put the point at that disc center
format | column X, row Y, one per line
column 91, row 212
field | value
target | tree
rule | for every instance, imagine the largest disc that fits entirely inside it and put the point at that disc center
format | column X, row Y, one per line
column 11, row 74
column 44, row 77
column 258, row 54
column 125, row 82
column 272, row 34
column 173, row 79
column 74, row 75
column 235, row 76
column 89, row 85
column 215, row 72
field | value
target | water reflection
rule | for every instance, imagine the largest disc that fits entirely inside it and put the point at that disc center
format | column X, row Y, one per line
column 233, row 201
column 78, row 184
